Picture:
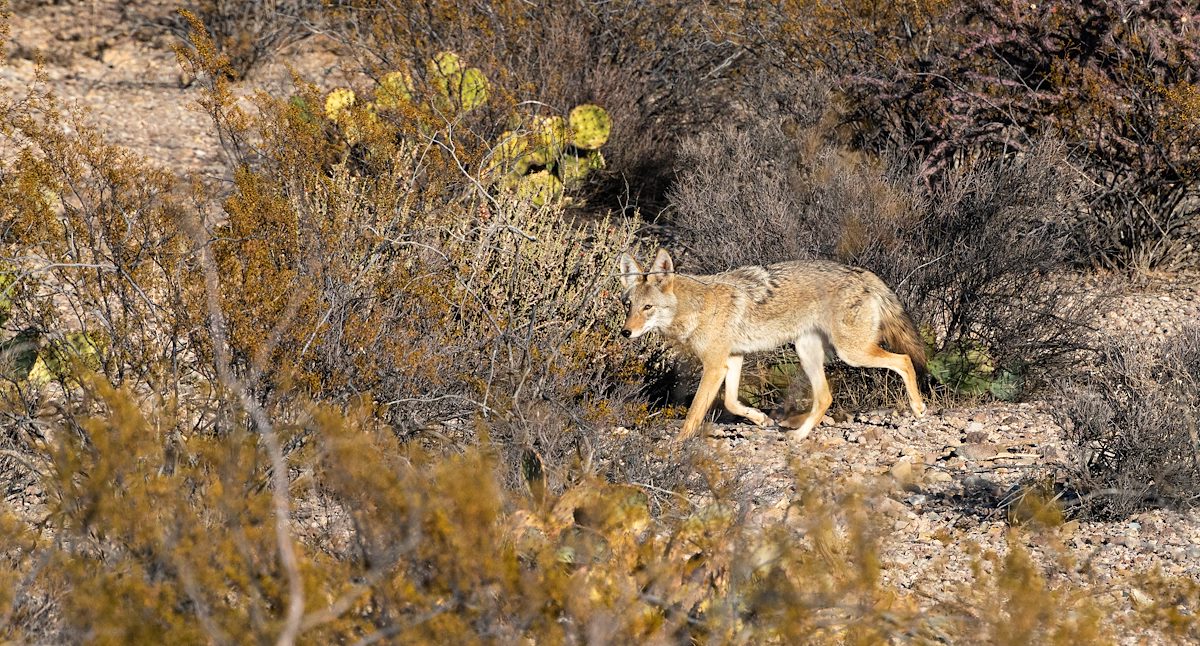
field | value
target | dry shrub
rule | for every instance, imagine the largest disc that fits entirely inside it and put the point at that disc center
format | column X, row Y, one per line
column 948, row 84
column 247, row 33
column 349, row 260
column 93, row 262
column 973, row 259
column 1134, row 425
column 364, row 254
column 397, row 543
column 1172, row 606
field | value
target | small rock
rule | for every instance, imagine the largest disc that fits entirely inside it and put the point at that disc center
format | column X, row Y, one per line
column 975, row 437
column 894, row 508
column 977, row 451
column 937, row 475
column 956, row 422
column 977, row 483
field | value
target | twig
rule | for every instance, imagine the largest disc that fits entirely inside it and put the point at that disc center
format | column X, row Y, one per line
column 279, row 477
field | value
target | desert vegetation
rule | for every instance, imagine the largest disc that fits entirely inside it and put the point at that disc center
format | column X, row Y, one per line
column 367, row 387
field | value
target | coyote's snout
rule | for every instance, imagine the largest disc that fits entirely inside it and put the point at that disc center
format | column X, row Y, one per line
column 816, row 306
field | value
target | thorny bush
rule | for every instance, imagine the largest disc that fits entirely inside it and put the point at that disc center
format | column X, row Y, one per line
column 398, row 543
column 949, row 83
column 1133, row 423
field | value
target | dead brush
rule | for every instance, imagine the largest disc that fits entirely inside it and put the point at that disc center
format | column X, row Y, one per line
column 1133, row 425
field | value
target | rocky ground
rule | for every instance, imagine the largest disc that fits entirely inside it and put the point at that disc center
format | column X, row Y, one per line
column 952, row 480
column 953, row 477
column 947, row 475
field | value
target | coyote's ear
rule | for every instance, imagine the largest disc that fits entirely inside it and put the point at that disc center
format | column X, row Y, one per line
column 662, row 272
column 631, row 271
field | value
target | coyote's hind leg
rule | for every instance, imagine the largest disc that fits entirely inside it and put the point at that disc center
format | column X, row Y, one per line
column 876, row 357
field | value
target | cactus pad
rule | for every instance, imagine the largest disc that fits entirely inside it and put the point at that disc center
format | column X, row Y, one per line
column 395, row 89
column 472, row 89
column 509, row 154
column 541, row 188
column 574, row 170
column 549, row 138
column 337, row 102
column 444, row 64
column 457, row 89
column 590, row 126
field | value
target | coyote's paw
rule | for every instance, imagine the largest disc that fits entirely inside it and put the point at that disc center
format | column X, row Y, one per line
column 760, row 418
column 919, row 408
column 795, row 436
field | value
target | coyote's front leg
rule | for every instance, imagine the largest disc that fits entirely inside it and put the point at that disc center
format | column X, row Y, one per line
column 733, row 378
column 710, row 383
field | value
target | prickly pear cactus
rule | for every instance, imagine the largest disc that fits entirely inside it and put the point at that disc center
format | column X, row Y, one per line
column 472, row 89
column 509, row 155
column 563, row 152
column 457, row 88
column 549, row 139
column 31, row 358
column 541, row 188
column 395, row 89
column 444, row 65
column 590, row 126
column 574, row 169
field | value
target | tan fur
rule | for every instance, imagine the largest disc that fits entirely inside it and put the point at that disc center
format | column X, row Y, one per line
column 816, row 306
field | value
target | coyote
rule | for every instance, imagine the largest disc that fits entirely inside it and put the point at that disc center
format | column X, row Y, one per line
column 817, row 306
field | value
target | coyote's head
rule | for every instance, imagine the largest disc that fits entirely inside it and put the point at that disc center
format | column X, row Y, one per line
column 650, row 295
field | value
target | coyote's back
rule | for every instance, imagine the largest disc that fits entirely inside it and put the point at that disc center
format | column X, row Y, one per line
column 817, row 306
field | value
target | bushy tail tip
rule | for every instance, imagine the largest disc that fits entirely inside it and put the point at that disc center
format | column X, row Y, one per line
column 898, row 331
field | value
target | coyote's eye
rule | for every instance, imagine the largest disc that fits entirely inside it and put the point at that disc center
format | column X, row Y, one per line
column 647, row 306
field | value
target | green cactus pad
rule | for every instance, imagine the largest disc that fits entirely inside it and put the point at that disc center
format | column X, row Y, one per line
column 549, row 138
column 395, row 89
column 445, row 64
column 508, row 155
column 472, row 89
column 541, row 188
column 573, row 169
column 457, row 89
column 590, row 126
column 58, row 358
column 303, row 108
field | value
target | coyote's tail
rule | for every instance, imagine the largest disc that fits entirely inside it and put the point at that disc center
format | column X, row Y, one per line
column 897, row 330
